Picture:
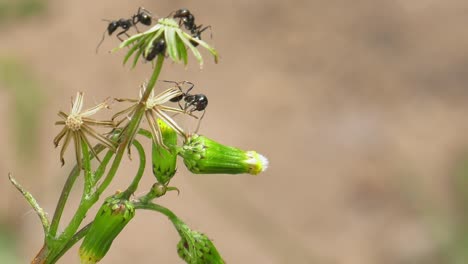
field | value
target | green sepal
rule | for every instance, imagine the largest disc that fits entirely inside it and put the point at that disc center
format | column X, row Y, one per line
column 205, row 156
column 195, row 247
column 110, row 220
column 165, row 160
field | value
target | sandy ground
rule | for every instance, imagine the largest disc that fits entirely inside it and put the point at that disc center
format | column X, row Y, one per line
column 359, row 105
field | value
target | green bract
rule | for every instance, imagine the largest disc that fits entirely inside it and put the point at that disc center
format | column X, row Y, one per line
column 205, row 156
column 176, row 40
column 164, row 160
column 109, row 221
column 195, row 247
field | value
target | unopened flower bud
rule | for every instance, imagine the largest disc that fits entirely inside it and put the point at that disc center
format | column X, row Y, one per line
column 109, row 221
column 196, row 248
column 205, row 156
column 165, row 160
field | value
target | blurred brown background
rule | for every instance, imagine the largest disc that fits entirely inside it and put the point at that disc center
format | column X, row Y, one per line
column 359, row 105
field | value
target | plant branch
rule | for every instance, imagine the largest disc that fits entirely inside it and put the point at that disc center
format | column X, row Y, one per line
column 88, row 175
column 132, row 127
column 79, row 235
column 65, row 193
column 158, row 208
column 33, row 203
column 141, row 169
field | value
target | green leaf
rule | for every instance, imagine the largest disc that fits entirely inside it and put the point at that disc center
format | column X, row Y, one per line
column 194, row 50
column 170, row 35
column 129, row 41
column 181, row 48
column 137, row 57
column 205, row 45
column 140, row 45
column 130, row 53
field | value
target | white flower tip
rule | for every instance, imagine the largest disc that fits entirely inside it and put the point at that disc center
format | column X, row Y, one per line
column 258, row 163
column 263, row 161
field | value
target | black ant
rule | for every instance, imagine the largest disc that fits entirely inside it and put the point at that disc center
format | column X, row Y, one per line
column 142, row 16
column 193, row 102
column 188, row 20
column 158, row 47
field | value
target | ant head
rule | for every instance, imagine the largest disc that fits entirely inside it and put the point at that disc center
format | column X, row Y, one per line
column 113, row 25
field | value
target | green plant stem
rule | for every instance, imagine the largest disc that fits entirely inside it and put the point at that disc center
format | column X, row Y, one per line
column 75, row 238
column 130, row 131
column 141, row 169
column 88, row 175
column 64, row 195
column 158, row 208
column 88, row 200
column 133, row 126
column 33, row 202
column 102, row 167
column 154, row 78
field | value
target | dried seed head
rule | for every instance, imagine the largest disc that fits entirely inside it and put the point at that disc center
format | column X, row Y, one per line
column 74, row 122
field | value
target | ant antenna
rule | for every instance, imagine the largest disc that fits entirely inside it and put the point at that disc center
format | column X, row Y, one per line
column 103, row 35
column 170, row 14
column 100, row 42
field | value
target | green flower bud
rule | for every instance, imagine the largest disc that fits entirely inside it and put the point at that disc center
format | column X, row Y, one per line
column 164, row 161
column 204, row 156
column 196, row 248
column 109, row 221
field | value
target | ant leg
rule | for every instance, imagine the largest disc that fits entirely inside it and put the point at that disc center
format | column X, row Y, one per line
column 142, row 9
column 191, row 86
column 199, row 121
column 136, row 28
column 205, row 28
column 170, row 14
column 100, row 42
column 123, row 32
column 174, row 82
